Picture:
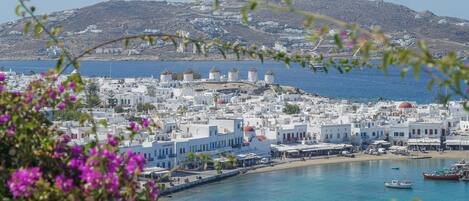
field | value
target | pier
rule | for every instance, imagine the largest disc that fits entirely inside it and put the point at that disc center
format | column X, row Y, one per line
column 200, row 179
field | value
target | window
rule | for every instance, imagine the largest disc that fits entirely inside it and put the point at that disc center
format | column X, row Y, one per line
column 431, row 132
column 436, row 131
column 413, row 131
column 418, row 131
column 426, row 131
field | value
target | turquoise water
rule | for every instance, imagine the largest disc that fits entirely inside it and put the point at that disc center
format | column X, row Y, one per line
column 357, row 181
column 360, row 85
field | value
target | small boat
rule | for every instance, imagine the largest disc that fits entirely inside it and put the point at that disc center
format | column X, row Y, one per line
column 466, row 179
column 398, row 184
column 438, row 176
column 395, row 168
column 421, row 157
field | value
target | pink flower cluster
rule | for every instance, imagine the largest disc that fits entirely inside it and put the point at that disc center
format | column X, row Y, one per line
column 99, row 168
column 23, row 181
column 152, row 189
column 134, row 126
column 82, row 172
column 39, row 94
column 102, row 166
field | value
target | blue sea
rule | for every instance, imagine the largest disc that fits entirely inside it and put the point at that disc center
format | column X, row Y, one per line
column 358, row 85
column 356, row 181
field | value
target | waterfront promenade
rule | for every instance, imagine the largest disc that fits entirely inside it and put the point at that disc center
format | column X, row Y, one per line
column 358, row 157
column 204, row 177
column 196, row 179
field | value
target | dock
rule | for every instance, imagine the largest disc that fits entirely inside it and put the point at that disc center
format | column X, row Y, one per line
column 202, row 180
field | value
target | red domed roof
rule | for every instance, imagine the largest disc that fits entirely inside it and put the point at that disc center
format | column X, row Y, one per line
column 405, row 105
column 248, row 129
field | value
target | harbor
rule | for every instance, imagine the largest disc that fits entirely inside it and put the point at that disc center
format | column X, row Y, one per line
column 329, row 181
column 199, row 179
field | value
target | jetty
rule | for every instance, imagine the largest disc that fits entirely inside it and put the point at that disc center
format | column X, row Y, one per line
column 197, row 180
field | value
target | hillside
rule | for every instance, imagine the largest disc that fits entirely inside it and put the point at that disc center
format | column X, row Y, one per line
column 97, row 23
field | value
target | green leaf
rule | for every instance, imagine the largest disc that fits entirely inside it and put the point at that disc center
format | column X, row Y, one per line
column 37, row 30
column 244, row 14
column 338, row 41
column 261, row 57
column 309, row 21
column 222, row 52
column 126, row 43
column 430, row 85
column 26, row 27
column 18, row 11
column 216, row 4
column 253, row 5
column 60, row 62
column 404, row 72
column 103, row 122
column 174, row 42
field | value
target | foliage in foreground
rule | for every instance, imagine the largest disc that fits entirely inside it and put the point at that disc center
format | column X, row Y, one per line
column 36, row 162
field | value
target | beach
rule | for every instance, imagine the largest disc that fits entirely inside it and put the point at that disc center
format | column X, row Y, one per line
column 358, row 158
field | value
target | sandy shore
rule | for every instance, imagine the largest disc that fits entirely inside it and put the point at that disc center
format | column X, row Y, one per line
column 358, row 158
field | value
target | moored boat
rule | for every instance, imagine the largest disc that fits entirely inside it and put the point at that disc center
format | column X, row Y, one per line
column 445, row 176
column 398, row 184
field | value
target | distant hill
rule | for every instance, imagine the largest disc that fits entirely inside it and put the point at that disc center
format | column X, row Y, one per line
column 100, row 22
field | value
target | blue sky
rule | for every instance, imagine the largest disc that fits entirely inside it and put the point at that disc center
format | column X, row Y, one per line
column 454, row 8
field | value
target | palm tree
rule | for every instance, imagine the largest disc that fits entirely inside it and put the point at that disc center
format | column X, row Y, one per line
column 217, row 166
column 191, row 159
column 232, row 161
column 204, row 160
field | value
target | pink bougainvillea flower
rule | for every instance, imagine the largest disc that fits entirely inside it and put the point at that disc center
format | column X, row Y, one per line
column 22, row 182
column 61, row 106
column 2, row 77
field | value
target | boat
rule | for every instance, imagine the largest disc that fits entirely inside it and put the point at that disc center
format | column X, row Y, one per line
column 398, row 184
column 395, row 168
column 466, row 179
column 421, row 157
column 441, row 176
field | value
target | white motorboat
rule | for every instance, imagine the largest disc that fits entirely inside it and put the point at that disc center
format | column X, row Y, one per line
column 398, row 184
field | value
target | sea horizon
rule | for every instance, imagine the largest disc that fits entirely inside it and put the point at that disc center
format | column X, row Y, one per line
column 347, row 86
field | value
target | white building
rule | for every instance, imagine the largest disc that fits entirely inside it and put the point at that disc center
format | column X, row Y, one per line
column 214, row 74
column 336, row 133
column 426, row 129
column 216, row 137
column 233, row 75
column 290, row 133
column 252, row 75
column 269, row 77
column 188, row 75
column 166, row 76
column 399, row 134
column 367, row 132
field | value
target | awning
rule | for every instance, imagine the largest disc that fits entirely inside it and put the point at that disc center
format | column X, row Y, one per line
column 381, row 142
column 423, row 142
column 308, row 150
column 457, row 142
